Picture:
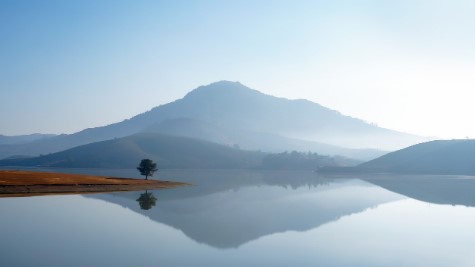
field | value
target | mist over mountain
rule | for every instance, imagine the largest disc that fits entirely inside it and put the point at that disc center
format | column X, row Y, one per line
column 249, row 140
column 455, row 157
column 233, row 114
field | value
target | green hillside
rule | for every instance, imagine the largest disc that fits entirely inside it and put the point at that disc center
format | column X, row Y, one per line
column 168, row 151
column 174, row 152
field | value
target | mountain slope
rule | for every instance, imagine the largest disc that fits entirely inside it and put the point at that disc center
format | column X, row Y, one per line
column 435, row 157
column 237, row 108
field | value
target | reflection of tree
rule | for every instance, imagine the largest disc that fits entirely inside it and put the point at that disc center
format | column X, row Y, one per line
column 147, row 200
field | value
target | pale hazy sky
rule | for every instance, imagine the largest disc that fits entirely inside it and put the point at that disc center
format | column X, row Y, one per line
column 407, row 65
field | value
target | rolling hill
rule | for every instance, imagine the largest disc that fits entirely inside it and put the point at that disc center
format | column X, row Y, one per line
column 455, row 157
column 173, row 152
column 169, row 151
column 249, row 118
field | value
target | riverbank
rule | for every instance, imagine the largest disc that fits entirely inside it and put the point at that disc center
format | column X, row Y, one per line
column 28, row 183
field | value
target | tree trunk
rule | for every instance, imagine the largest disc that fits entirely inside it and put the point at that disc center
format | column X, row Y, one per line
column 146, row 177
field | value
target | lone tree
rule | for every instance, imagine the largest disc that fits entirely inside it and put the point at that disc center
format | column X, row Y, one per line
column 147, row 167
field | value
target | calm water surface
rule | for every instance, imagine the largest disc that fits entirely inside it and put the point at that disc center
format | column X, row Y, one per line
column 245, row 218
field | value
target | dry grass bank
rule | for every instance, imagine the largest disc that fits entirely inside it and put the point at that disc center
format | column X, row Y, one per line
column 27, row 183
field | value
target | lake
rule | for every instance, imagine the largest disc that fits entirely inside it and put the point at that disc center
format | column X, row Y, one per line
column 248, row 218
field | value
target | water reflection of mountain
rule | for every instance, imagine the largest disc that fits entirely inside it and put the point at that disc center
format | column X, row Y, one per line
column 442, row 189
column 227, row 209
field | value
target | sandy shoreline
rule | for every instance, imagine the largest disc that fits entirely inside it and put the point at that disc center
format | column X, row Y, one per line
column 28, row 183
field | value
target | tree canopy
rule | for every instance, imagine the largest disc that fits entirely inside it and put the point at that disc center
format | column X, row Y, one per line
column 147, row 167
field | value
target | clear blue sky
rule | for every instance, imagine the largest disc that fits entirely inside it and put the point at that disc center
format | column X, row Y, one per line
column 408, row 65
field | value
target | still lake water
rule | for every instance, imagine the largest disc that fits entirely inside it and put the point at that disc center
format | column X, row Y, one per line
column 248, row 218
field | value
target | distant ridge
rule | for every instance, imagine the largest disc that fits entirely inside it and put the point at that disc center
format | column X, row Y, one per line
column 22, row 139
column 241, row 116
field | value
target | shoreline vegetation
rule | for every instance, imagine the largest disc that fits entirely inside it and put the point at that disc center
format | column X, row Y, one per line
column 15, row 183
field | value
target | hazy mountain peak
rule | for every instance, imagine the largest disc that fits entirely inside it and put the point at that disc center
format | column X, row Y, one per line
column 222, row 89
column 222, row 85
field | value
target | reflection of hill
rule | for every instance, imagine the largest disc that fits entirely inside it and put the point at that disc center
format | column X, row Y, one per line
column 453, row 190
column 228, row 209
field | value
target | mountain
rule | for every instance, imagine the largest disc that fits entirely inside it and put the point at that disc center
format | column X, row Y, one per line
column 174, row 152
column 22, row 139
column 436, row 157
column 231, row 105
column 252, row 117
